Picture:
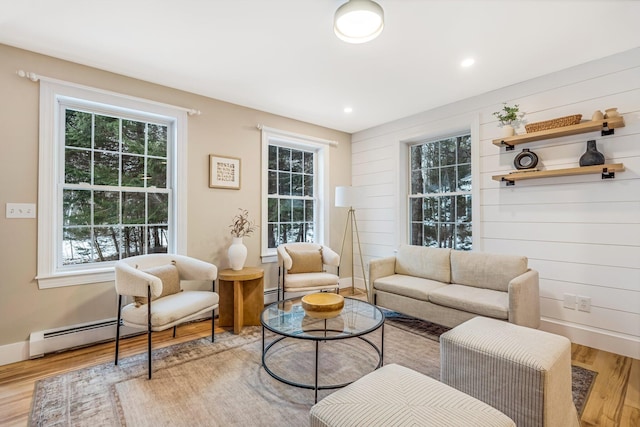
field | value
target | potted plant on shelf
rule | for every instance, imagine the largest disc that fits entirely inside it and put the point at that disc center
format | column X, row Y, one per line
column 507, row 117
column 240, row 226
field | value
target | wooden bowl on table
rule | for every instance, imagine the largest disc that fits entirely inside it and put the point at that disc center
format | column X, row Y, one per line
column 322, row 305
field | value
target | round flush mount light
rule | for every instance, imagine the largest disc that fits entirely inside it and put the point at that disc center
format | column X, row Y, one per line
column 348, row 110
column 358, row 21
column 467, row 62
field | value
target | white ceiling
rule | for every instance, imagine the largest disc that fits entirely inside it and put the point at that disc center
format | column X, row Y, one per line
column 281, row 56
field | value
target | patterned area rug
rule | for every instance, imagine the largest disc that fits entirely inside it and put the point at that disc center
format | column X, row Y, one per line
column 200, row 383
column 582, row 379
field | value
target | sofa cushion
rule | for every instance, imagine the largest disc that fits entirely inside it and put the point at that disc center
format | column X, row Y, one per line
column 485, row 302
column 428, row 263
column 485, row 270
column 408, row 286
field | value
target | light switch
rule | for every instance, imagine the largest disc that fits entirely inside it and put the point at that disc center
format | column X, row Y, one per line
column 21, row 210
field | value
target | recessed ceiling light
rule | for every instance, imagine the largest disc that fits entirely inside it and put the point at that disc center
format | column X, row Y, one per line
column 467, row 62
column 348, row 109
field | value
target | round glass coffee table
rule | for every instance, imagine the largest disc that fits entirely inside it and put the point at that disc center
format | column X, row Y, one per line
column 288, row 320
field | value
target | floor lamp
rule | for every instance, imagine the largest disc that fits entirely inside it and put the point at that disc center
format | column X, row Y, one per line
column 346, row 198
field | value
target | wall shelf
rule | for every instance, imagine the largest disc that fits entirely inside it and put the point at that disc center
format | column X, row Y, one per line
column 607, row 171
column 606, row 127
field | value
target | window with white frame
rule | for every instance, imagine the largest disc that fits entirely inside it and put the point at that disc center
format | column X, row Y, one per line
column 440, row 193
column 294, row 170
column 109, row 179
column 291, row 196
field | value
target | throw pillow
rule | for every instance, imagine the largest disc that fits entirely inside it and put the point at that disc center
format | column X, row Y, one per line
column 170, row 281
column 306, row 261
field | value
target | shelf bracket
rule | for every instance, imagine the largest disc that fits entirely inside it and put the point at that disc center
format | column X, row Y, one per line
column 510, row 182
column 508, row 147
column 605, row 130
column 608, row 174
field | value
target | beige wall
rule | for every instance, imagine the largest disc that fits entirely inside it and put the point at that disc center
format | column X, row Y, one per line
column 223, row 129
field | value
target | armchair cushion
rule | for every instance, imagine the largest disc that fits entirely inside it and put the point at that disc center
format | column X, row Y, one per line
column 305, row 261
column 170, row 310
column 170, row 278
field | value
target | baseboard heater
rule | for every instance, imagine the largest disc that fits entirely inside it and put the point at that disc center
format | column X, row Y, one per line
column 54, row 340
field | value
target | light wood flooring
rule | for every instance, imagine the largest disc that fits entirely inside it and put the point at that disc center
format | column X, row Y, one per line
column 614, row 399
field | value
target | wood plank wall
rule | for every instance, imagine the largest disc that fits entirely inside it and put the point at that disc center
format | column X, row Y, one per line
column 581, row 233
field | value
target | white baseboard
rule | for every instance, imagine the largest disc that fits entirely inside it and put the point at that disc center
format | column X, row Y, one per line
column 12, row 353
column 612, row 342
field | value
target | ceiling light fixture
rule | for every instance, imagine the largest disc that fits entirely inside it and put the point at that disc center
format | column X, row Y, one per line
column 467, row 62
column 348, row 110
column 358, row 21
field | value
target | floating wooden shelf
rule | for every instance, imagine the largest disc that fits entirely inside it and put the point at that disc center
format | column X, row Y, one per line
column 607, row 171
column 606, row 126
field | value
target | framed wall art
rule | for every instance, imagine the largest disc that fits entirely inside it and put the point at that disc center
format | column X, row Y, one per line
column 224, row 172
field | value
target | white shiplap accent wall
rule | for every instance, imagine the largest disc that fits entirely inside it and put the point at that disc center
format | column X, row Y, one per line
column 581, row 233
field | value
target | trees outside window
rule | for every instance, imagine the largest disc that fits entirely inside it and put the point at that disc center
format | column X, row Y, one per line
column 291, row 196
column 440, row 194
column 115, row 199
column 112, row 182
column 295, row 189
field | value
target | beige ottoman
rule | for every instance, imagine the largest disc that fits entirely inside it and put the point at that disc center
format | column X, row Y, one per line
column 523, row 372
column 397, row 396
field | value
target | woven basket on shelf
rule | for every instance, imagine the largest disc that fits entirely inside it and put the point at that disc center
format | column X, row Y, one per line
column 552, row 124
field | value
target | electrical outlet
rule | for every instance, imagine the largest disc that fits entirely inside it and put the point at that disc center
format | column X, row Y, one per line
column 21, row 210
column 570, row 301
column 584, row 303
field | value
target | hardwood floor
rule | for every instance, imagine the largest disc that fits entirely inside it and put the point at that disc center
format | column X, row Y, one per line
column 614, row 399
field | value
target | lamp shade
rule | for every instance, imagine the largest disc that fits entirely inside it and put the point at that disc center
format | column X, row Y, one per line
column 358, row 21
column 347, row 197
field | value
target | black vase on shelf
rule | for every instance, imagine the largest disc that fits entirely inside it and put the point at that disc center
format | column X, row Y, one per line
column 592, row 156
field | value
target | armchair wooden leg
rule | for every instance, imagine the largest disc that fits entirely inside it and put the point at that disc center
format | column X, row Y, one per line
column 118, row 327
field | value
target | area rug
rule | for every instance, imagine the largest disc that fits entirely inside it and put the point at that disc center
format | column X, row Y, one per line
column 201, row 383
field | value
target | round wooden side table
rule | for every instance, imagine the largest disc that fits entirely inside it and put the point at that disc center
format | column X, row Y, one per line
column 241, row 297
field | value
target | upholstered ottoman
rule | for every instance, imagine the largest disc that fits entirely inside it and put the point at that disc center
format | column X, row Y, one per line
column 397, row 396
column 523, row 372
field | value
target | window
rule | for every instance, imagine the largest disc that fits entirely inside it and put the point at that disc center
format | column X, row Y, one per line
column 291, row 190
column 115, row 199
column 440, row 195
column 110, row 174
column 294, row 184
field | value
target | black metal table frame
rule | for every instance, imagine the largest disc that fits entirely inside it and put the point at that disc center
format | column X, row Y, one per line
column 315, row 387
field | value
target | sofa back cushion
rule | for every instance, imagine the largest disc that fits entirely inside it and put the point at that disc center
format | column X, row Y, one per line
column 428, row 263
column 485, row 270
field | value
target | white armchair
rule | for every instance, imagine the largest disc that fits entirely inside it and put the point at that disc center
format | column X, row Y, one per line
column 301, row 268
column 159, row 302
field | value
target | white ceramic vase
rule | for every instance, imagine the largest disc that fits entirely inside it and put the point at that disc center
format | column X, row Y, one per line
column 237, row 254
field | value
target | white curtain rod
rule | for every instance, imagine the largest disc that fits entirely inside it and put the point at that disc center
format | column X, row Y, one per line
column 285, row 133
column 36, row 77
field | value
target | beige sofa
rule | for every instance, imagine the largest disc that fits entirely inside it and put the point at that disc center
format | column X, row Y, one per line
column 449, row 287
